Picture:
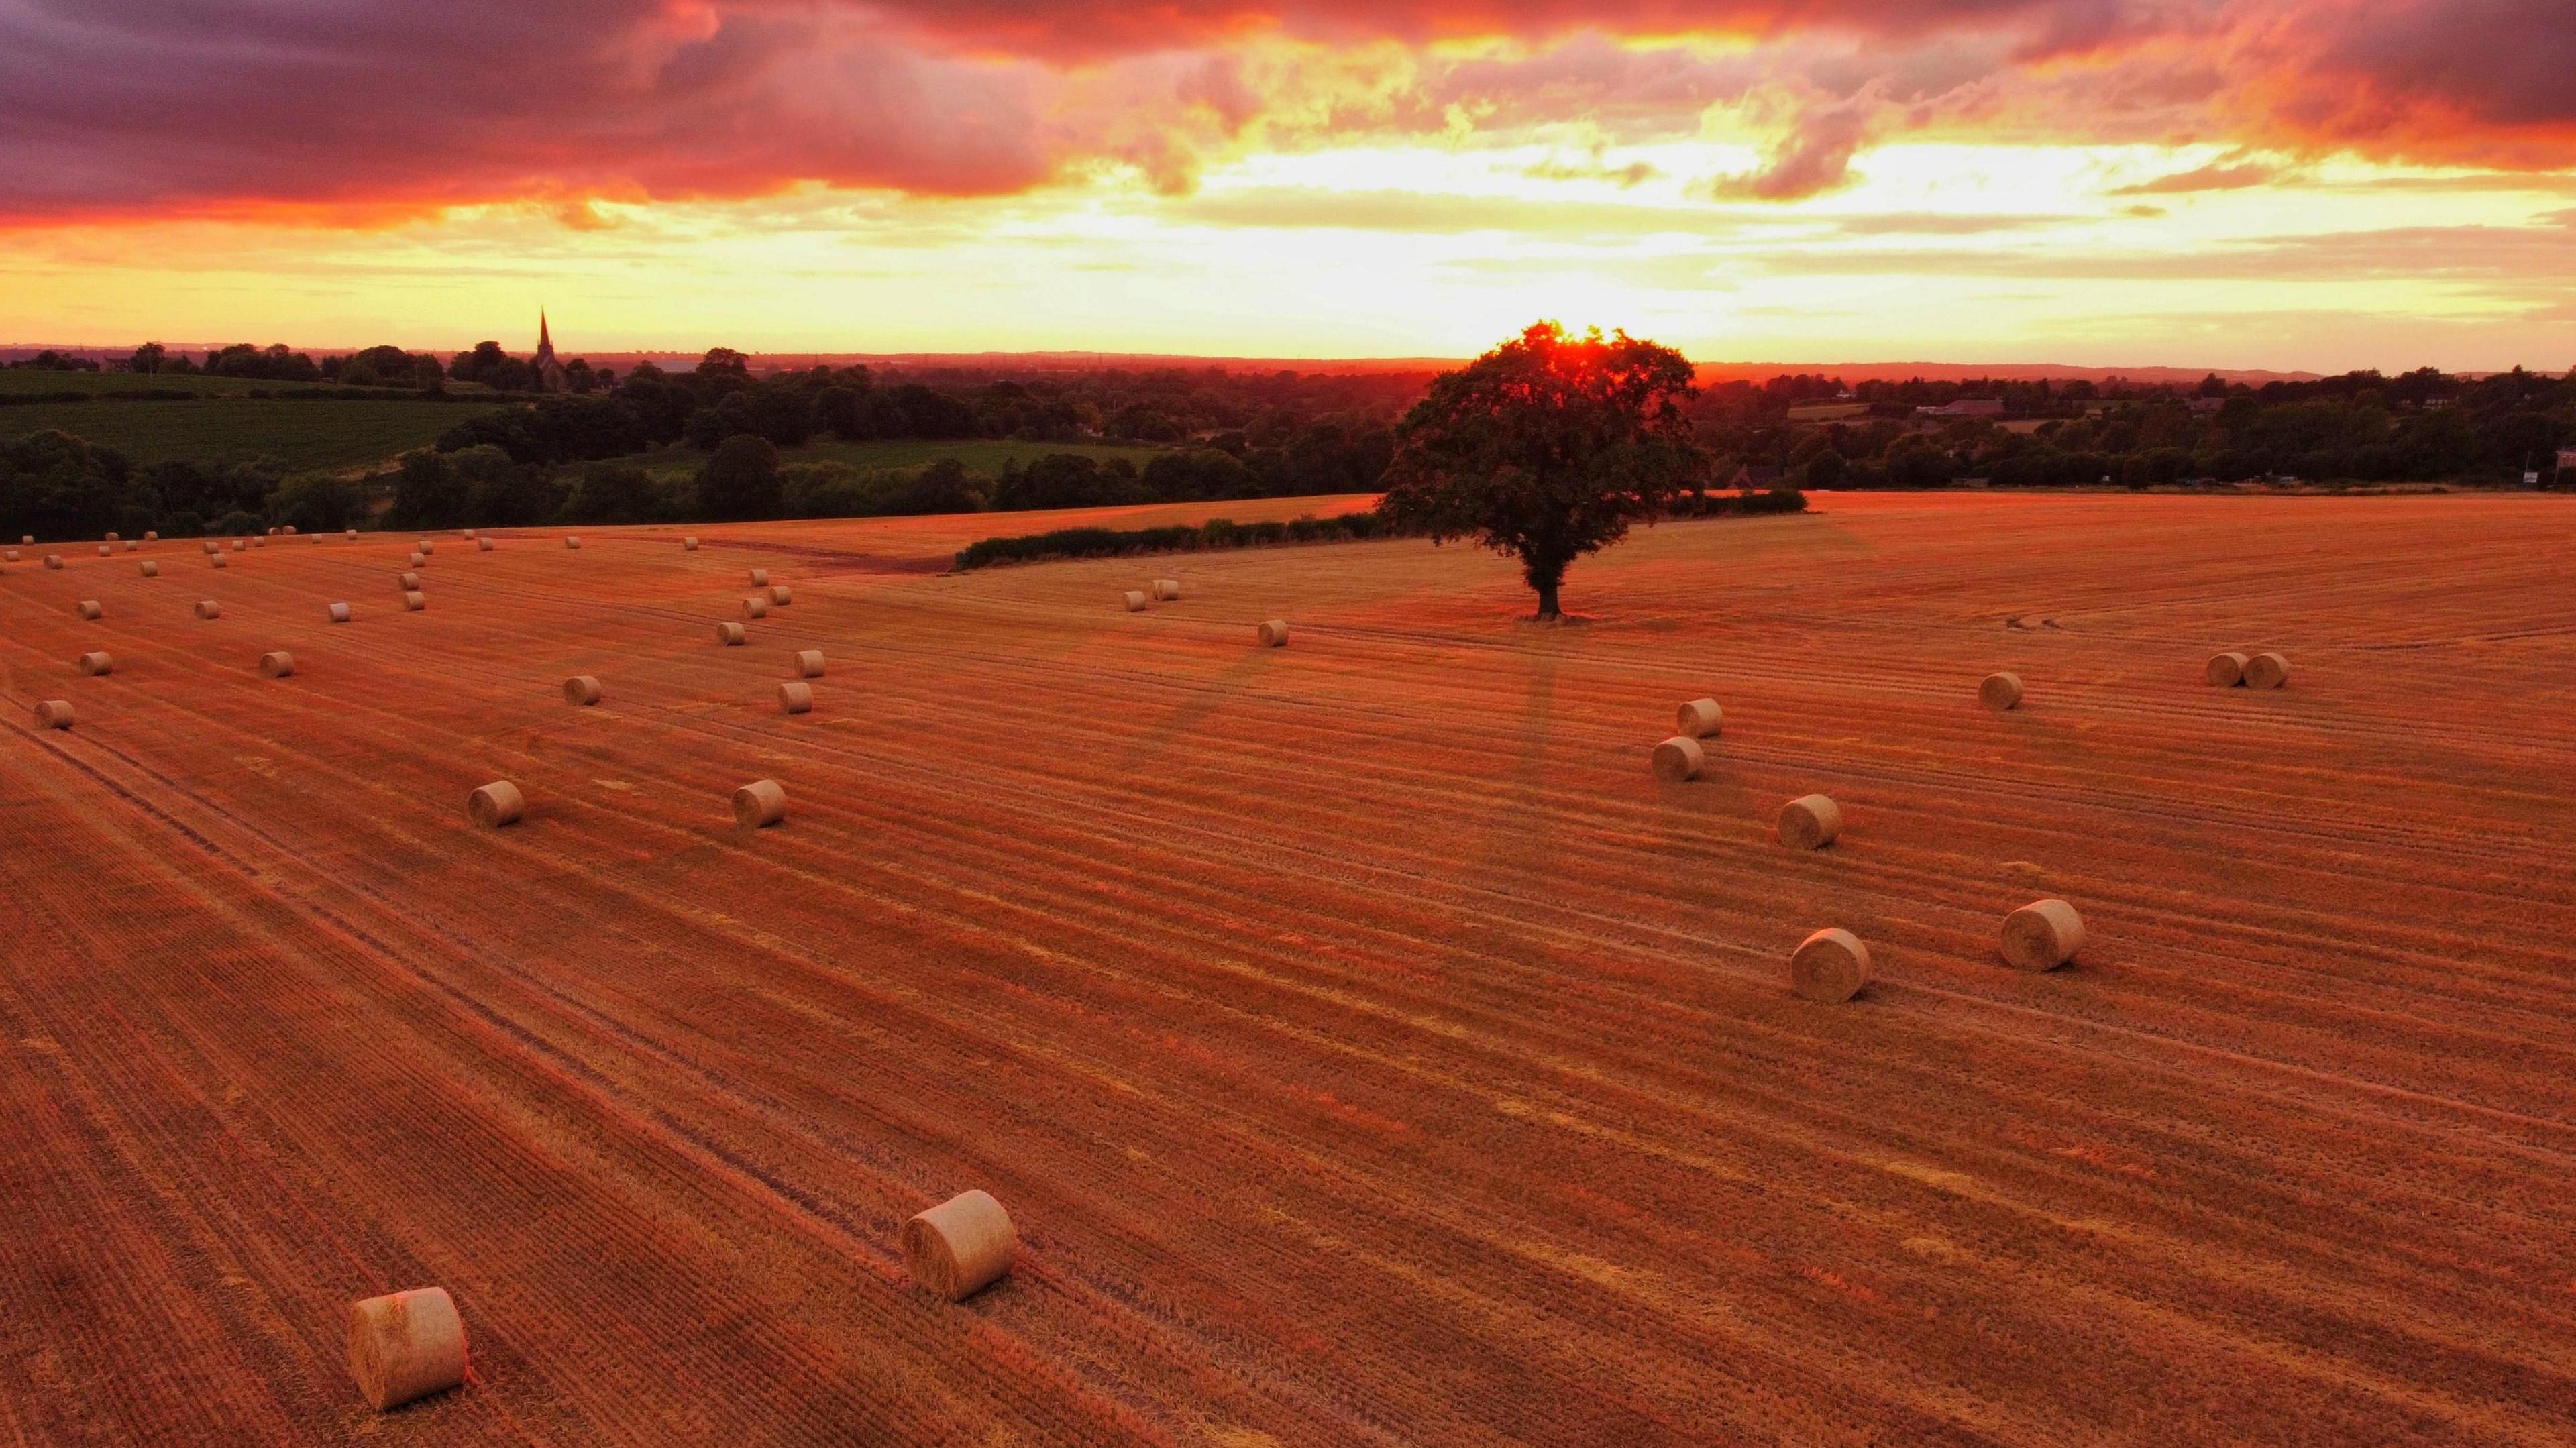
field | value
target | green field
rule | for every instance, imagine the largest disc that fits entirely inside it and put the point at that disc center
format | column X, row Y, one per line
column 21, row 381
column 305, row 436
column 983, row 457
column 221, row 424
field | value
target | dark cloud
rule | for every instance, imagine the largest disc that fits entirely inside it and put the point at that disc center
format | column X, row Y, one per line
column 161, row 105
column 1091, row 29
column 1813, row 159
column 2490, row 79
column 2213, row 177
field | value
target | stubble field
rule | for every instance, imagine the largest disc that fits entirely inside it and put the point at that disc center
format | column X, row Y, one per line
column 1368, row 1047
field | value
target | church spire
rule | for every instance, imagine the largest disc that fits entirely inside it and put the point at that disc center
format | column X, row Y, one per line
column 550, row 373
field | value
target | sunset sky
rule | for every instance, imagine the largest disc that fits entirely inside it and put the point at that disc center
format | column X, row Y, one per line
column 2248, row 183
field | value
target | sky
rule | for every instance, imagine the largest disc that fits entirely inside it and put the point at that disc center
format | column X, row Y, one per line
column 2310, row 184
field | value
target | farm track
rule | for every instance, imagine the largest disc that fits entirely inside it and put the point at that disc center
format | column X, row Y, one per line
column 1368, row 1048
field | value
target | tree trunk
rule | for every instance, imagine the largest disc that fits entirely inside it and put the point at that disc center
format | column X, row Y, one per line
column 1545, row 577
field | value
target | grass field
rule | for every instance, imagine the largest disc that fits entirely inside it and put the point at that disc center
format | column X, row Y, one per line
column 20, row 381
column 306, row 436
column 1369, row 1049
column 983, row 457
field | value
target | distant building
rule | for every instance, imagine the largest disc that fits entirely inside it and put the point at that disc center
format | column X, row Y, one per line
column 550, row 373
column 1966, row 407
column 2567, row 466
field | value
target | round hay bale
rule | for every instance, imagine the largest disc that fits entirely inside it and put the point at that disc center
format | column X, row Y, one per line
column 1699, row 719
column 220, row 561
column 151, row 535
column 465, row 533
column 317, row 538
column 54, row 714
column 1135, row 600
column 759, row 804
column 88, row 608
column 406, row 1346
column 795, row 698
column 2000, row 692
column 2225, row 670
column 426, row 546
column 414, row 600
column 1810, row 822
column 809, row 663
column 582, row 689
column 780, row 595
column 149, row 568
column 1679, row 759
column 106, row 550
column 406, row 582
column 351, row 535
column 111, row 536
column 496, row 804
column 10, row 556
column 689, row 545
column 1167, row 589
column 54, row 561
column 483, row 545
column 97, row 664
column 572, row 540
column 961, row 1246
column 760, row 578
column 214, row 547
column 132, row 547
column 272, row 530
column 277, row 664
column 755, row 606
column 1830, row 966
column 418, row 558
column 288, row 530
column 2266, row 671
column 241, row 545
column 26, row 540
column 208, row 608
column 731, row 634
column 1273, row 633
column 2042, row 935
column 339, row 613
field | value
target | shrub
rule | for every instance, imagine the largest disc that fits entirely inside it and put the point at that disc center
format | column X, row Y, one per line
column 317, row 505
column 54, row 485
column 1218, row 533
column 830, row 489
column 740, row 481
column 427, row 494
column 942, row 487
column 1183, row 477
column 1066, row 480
column 610, row 493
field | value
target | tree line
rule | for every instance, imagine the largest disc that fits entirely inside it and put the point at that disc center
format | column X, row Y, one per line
column 723, row 441
column 2360, row 427
column 570, row 458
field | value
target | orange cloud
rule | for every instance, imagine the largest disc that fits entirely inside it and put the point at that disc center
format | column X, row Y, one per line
column 354, row 111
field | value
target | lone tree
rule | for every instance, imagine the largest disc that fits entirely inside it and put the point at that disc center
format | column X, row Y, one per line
column 1546, row 448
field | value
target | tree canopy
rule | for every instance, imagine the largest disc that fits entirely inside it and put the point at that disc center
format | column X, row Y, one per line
column 1546, row 448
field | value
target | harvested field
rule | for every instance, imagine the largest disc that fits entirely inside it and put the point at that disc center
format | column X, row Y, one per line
column 1349, row 1075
